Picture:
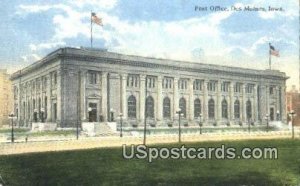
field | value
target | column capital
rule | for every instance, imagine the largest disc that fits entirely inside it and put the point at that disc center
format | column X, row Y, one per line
column 104, row 73
column 231, row 84
column 124, row 76
column 159, row 78
column 143, row 77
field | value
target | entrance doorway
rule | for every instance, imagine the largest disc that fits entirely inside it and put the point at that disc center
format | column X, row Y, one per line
column 271, row 114
column 92, row 112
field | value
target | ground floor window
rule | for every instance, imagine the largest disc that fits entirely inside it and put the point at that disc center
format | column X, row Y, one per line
column 131, row 103
column 182, row 106
column 149, row 107
column 237, row 109
column 211, row 109
column 197, row 107
column 167, row 108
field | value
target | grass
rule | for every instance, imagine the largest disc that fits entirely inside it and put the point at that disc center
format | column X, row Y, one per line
column 53, row 133
column 107, row 167
column 16, row 130
column 22, row 133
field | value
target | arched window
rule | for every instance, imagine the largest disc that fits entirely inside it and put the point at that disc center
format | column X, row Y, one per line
column 237, row 109
column 167, row 107
column 249, row 109
column 131, row 107
column 182, row 106
column 224, row 109
column 211, row 109
column 149, row 107
column 197, row 107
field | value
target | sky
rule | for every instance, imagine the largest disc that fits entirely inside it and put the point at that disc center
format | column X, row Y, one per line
column 30, row 29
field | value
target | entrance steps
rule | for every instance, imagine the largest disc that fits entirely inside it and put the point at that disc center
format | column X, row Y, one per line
column 105, row 129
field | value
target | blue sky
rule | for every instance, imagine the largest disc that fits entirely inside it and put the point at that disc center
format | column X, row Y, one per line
column 157, row 28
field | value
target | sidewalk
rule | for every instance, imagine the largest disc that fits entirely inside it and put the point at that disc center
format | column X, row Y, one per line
column 102, row 142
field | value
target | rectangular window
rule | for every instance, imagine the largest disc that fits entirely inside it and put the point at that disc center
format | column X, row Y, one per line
column 55, row 78
column 197, row 84
column 151, row 82
column 211, row 86
column 92, row 76
column 271, row 90
column 249, row 88
column 167, row 83
column 238, row 87
column 182, row 84
column 132, row 80
column 225, row 86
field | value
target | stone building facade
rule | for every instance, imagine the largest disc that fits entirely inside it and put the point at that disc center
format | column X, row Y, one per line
column 5, row 97
column 293, row 103
column 75, row 85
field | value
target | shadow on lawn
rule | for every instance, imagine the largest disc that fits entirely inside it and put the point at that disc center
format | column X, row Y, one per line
column 251, row 178
column 245, row 179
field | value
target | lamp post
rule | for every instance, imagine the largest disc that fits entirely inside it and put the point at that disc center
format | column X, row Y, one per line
column 200, row 122
column 267, row 119
column 35, row 111
column 292, row 114
column 179, row 112
column 249, row 122
column 111, row 114
column 89, row 111
column 12, row 126
column 121, row 125
column 42, row 115
column 277, row 115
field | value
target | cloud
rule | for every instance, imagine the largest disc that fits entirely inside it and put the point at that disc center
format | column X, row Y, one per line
column 175, row 39
column 30, row 58
column 41, row 46
column 289, row 10
column 97, row 4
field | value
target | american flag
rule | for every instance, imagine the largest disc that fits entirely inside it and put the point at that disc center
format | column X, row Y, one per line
column 96, row 19
column 273, row 51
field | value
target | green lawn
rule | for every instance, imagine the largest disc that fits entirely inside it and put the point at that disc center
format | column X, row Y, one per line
column 107, row 167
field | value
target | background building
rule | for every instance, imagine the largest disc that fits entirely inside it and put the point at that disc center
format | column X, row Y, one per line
column 72, row 85
column 293, row 103
column 6, row 101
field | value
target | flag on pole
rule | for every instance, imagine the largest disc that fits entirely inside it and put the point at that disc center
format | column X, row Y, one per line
column 273, row 51
column 96, row 19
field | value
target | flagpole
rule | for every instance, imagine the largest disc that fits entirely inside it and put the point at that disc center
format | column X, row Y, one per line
column 270, row 56
column 91, row 31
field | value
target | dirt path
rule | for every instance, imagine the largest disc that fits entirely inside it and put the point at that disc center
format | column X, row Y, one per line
column 101, row 142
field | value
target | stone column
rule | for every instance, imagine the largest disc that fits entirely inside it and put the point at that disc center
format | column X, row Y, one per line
column 124, row 95
column 191, row 100
column 19, row 103
column 59, row 96
column 267, row 100
column 159, row 99
column 104, row 95
column 255, row 105
column 231, row 95
column 48, row 93
column 205, row 101
column 277, row 105
column 283, row 106
column 142, row 97
column 262, row 103
column 83, row 77
column 244, row 114
column 219, row 101
column 175, row 99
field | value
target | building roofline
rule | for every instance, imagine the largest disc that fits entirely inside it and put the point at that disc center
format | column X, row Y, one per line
column 103, row 53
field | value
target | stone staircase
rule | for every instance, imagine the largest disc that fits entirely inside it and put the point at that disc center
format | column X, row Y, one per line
column 103, row 129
